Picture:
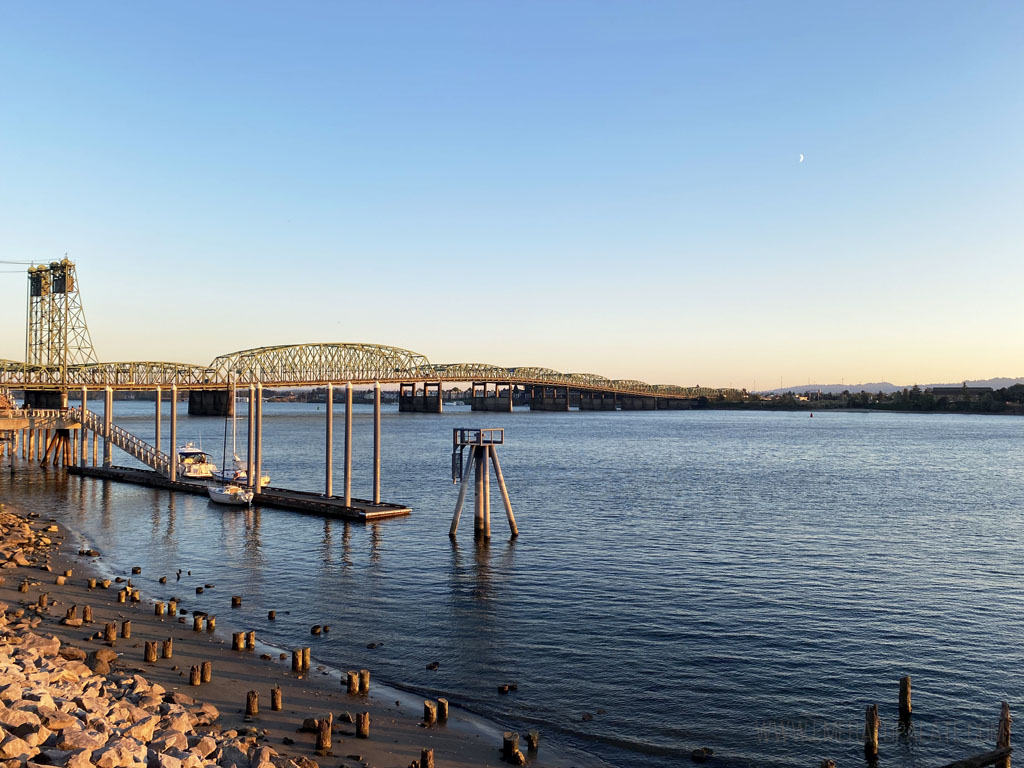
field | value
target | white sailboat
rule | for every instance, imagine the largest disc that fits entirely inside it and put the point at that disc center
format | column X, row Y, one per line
column 231, row 492
column 237, row 474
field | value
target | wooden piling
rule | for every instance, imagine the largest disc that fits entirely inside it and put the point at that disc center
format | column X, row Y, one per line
column 363, row 725
column 87, row 614
column 442, row 710
column 43, row 601
column 533, row 741
column 871, row 724
column 195, row 675
column 353, row 682
column 429, row 712
column 206, row 671
column 236, row 601
column 91, row 583
column 296, row 660
column 122, row 595
column 1003, row 739
column 250, row 640
column 167, row 648
column 197, row 623
column 364, row 681
column 172, row 607
column 271, row 615
column 126, row 629
column 71, row 613
column 905, row 705
column 427, row 758
column 238, row 641
column 252, row 703
column 323, row 735
column 275, row 698
column 150, row 652
column 159, row 608
column 110, row 632
column 509, row 744
column 211, row 623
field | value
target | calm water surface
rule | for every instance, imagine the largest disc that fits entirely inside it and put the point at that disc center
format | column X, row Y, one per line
column 744, row 581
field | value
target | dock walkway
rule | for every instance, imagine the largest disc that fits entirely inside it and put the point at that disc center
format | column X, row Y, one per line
column 300, row 501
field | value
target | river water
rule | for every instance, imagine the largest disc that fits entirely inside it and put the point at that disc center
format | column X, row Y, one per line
column 740, row 580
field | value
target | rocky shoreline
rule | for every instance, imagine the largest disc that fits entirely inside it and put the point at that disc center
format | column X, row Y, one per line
column 81, row 685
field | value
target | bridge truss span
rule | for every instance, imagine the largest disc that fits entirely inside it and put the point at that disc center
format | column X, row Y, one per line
column 317, row 365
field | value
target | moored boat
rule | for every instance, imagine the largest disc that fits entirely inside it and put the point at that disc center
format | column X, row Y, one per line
column 230, row 494
column 195, row 462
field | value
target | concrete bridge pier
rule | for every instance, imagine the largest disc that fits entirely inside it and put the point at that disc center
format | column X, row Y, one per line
column 674, row 404
column 426, row 401
column 598, row 401
column 210, row 402
column 638, row 402
column 544, row 398
column 484, row 400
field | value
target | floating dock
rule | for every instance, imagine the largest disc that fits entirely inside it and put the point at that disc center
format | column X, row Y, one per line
column 358, row 510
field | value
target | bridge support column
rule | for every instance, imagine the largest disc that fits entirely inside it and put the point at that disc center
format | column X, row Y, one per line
column 638, row 403
column 83, row 433
column 411, row 402
column 156, row 430
column 257, row 477
column 172, row 450
column 597, row 401
column 250, row 455
column 543, row 398
column 483, row 400
column 674, row 404
column 210, row 402
column 329, row 444
column 376, row 442
column 108, row 419
column 348, row 443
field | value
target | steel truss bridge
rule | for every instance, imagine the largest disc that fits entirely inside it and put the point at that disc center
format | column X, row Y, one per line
column 318, row 365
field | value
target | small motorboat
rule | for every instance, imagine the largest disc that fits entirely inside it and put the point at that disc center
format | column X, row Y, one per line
column 230, row 494
column 195, row 462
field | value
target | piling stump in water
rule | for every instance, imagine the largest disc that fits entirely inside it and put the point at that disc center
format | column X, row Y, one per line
column 364, row 681
column 509, row 744
column 305, row 660
column 250, row 641
column 323, row 735
column 206, row 672
column 271, row 615
column 363, row 725
column 236, row 601
column 533, row 741
column 871, row 724
column 238, row 641
column 905, row 706
column 197, row 623
column 1003, row 739
column 427, row 758
column 297, row 660
column 158, row 609
column 353, row 682
column 110, row 632
column 211, row 623
column 167, row 648
column 429, row 712
column 195, row 675
column 126, row 629
column 442, row 709
column 275, row 698
column 150, row 652
column 252, row 703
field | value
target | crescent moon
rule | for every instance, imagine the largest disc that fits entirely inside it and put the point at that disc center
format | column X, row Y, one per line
column 801, row 158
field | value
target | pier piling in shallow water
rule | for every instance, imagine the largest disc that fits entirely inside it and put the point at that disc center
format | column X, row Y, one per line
column 275, row 698
column 482, row 453
column 1003, row 740
column 905, row 707
column 871, row 724
column 363, row 725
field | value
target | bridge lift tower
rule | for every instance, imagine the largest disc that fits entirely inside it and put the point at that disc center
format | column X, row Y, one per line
column 56, row 333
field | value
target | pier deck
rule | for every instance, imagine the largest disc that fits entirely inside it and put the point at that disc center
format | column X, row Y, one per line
column 300, row 501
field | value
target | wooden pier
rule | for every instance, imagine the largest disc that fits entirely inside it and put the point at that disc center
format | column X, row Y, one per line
column 358, row 510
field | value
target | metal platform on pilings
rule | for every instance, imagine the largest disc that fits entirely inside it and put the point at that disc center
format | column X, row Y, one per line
column 359, row 510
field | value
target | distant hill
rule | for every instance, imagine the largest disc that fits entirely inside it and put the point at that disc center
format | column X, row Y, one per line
column 887, row 388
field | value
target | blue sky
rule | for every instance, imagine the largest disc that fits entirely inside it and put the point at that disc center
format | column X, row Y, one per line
column 603, row 187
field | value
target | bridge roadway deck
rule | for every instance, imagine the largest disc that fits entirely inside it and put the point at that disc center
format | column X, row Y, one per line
column 359, row 510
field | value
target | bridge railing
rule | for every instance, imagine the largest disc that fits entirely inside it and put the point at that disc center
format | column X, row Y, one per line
column 127, row 442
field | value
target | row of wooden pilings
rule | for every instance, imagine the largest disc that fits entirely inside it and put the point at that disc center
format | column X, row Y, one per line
column 999, row 757
column 65, row 447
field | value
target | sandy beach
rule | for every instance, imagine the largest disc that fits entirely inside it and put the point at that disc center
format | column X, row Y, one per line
column 397, row 733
